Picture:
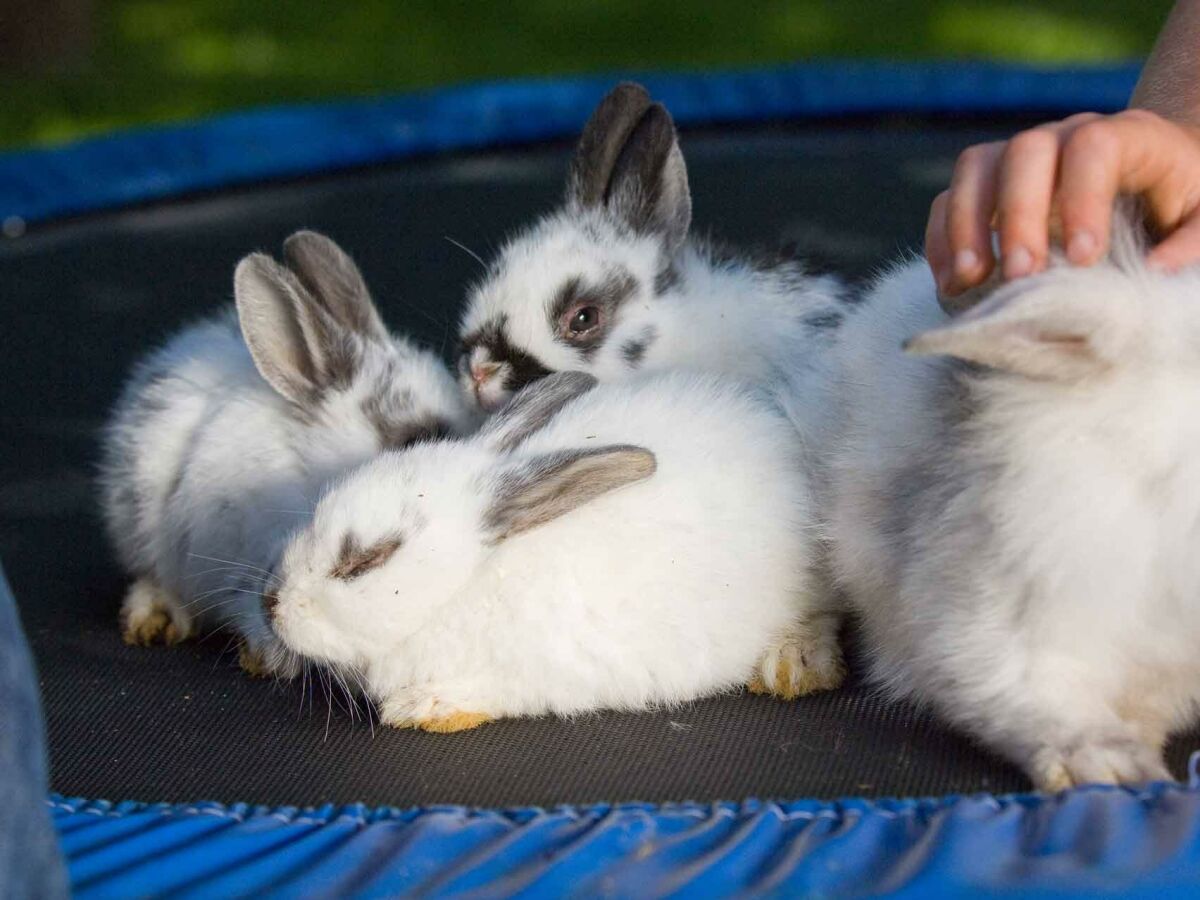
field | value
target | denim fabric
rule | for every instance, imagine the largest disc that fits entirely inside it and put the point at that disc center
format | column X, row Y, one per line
column 30, row 863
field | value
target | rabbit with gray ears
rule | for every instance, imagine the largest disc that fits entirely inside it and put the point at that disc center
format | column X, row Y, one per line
column 1016, row 509
column 224, row 438
column 612, row 284
column 614, row 547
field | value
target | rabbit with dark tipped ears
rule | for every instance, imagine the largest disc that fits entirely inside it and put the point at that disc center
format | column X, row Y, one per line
column 592, row 547
column 612, row 284
column 1016, row 508
column 224, row 438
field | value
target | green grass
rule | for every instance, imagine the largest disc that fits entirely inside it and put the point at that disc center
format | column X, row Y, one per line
column 166, row 60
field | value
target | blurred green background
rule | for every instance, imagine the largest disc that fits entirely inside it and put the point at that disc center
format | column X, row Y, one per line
column 74, row 67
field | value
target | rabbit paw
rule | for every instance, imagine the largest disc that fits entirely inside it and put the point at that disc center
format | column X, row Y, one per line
column 430, row 715
column 252, row 661
column 807, row 660
column 1103, row 759
column 261, row 662
column 150, row 615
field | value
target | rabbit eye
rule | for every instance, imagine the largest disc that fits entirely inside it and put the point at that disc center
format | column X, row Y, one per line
column 584, row 319
column 354, row 559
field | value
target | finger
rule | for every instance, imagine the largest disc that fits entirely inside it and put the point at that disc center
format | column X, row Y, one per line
column 937, row 250
column 1024, row 193
column 1128, row 152
column 969, row 210
column 1181, row 248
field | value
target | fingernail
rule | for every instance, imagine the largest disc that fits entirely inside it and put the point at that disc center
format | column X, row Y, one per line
column 1081, row 248
column 1017, row 263
column 965, row 262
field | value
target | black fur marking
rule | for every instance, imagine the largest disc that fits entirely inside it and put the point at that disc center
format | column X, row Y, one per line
column 634, row 351
column 637, row 184
column 523, row 368
column 601, row 143
column 667, row 280
column 617, row 287
column 827, row 320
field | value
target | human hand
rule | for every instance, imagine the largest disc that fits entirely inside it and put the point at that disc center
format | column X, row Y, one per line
column 1072, row 170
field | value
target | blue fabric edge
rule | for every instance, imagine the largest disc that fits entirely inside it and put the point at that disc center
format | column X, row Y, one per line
column 1139, row 842
column 364, row 814
column 124, row 168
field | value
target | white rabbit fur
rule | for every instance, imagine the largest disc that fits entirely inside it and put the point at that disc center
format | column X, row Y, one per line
column 619, row 246
column 618, row 250
column 217, row 450
column 615, row 547
column 1016, row 519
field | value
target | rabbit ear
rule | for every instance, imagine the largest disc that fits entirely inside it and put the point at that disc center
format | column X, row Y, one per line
column 555, row 484
column 533, row 407
column 1058, row 330
column 334, row 281
column 603, row 137
column 295, row 344
column 649, row 186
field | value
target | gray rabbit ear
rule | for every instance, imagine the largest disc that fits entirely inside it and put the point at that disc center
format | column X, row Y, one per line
column 533, row 407
column 550, row 486
column 601, row 142
column 649, row 187
column 295, row 344
column 1056, row 330
column 334, row 281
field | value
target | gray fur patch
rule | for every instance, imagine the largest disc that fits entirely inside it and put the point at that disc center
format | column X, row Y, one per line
column 355, row 560
column 334, row 281
column 828, row 320
column 393, row 415
column 667, row 280
column 634, row 351
column 601, row 143
column 553, row 485
column 532, row 408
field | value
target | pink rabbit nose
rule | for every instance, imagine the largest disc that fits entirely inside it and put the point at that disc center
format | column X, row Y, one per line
column 483, row 372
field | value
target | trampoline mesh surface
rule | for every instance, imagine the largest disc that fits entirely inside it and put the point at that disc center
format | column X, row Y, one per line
column 82, row 300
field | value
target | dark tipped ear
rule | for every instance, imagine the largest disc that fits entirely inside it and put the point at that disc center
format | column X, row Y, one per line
column 295, row 345
column 649, row 186
column 334, row 281
column 601, row 143
column 533, row 407
column 551, row 486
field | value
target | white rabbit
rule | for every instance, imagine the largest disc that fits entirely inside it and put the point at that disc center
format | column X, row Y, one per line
column 1016, row 509
column 219, row 446
column 616, row 547
column 611, row 283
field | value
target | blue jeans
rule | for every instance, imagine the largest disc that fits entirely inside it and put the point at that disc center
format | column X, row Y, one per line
column 30, row 863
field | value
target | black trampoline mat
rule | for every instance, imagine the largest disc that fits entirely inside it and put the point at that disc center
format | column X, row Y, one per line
column 82, row 300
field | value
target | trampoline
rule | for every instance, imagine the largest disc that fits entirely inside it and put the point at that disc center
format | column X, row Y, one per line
column 173, row 772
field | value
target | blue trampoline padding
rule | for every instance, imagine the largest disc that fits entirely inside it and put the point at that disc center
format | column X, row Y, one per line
column 288, row 141
column 1143, row 843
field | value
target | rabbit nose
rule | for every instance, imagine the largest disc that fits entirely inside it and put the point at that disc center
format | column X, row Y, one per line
column 483, row 372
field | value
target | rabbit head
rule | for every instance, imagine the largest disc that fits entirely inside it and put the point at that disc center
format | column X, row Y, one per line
column 572, row 292
column 405, row 533
column 317, row 339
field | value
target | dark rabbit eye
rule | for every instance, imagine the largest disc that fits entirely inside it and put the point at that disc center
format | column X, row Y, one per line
column 584, row 319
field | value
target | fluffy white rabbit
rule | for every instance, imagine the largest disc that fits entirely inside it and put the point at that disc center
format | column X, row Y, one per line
column 1016, row 509
column 617, row 547
column 224, row 438
column 611, row 283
